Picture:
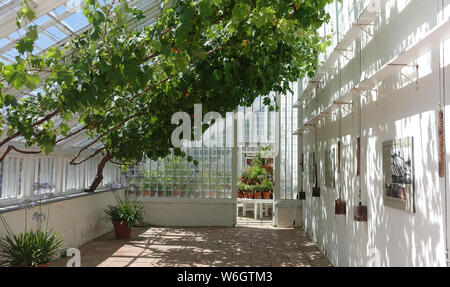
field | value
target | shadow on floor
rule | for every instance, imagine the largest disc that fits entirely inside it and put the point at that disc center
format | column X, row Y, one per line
column 202, row 247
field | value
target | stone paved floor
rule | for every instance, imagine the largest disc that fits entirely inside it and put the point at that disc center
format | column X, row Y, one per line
column 202, row 247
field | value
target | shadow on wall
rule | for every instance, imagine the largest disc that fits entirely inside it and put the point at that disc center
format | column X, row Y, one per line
column 390, row 237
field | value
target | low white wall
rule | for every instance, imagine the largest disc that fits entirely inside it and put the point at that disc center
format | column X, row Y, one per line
column 287, row 212
column 78, row 219
column 189, row 213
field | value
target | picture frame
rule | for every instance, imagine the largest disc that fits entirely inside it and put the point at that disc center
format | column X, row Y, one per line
column 398, row 174
column 330, row 168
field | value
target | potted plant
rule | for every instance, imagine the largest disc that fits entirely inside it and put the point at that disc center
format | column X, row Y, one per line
column 31, row 248
column 124, row 214
column 257, row 191
column 34, row 247
column 267, row 189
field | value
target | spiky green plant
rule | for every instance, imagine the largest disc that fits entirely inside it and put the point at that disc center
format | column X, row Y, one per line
column 29, row 248
column 125, row 211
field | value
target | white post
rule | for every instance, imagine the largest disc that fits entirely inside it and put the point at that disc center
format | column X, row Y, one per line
column 234, row 167
column 277, row 159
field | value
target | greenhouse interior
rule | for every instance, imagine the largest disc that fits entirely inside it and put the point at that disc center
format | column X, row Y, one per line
column 182, row 133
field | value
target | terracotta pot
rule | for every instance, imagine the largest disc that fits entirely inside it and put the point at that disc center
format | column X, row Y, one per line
column 152, row 193
column 267, row 195
column 39, row 265
column 340, row 207
column 240, row 194
column 257, row 195
column 177, row 193
column 402, row 193
column 121, row 229
column 360, row 213
column 316, row 192
column 145, row 193
column 245, row 194
column 302, row 195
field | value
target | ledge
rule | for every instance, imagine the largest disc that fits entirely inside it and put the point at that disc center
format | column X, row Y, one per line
column 15, row 206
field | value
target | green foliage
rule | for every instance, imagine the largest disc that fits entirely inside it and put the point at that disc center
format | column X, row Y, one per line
column 126, row 211
column 124, row 85
column 256, row 177
column 266, row 185
column 29, row 248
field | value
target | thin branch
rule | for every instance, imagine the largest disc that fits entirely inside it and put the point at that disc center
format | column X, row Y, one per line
column 72, row 162
column 72, row 134
column 41, row 121
column 10, row 148
column 105, row 133
column 120, row 163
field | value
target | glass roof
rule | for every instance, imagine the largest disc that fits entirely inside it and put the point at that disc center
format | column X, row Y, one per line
column 58, row 21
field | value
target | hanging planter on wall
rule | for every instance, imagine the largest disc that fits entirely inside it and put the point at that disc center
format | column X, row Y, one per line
column 340, row 207
column 360, row 213
column 302, row 195
column 316, row 189
column 316, row 192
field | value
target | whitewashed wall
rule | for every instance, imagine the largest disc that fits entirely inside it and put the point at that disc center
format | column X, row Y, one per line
column 187, row 212
column 398, row 109
column 79, row 219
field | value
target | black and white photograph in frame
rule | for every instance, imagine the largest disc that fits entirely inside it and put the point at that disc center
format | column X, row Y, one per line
column 330, row 168
column 398, row 171
column 311, row 167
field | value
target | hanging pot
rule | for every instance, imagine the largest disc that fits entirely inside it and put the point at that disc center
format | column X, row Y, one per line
column 340, row 207
column 316, row 192
column 302, row 195
column 360, row 213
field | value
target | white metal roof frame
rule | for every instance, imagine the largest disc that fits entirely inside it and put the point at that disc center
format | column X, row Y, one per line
column 52, row 16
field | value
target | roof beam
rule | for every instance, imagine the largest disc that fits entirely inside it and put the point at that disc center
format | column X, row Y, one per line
column 8, row 23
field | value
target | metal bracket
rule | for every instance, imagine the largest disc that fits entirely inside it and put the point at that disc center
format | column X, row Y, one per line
column 416, row 81
column 360, row 26
column 342, row 52
column 342, row 105
column 361, row 92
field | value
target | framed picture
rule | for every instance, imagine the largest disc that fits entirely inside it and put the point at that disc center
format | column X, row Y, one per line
column 311, row 166
column 330, row 168
column 398, row 171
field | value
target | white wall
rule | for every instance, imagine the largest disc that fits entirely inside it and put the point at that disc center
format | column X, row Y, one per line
column 79, row 219
column 287, row 212
column 398, row 109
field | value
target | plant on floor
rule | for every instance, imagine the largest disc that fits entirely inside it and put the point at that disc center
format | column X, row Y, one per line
column 124, row 215
column 123, row 85
column 36, row 246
